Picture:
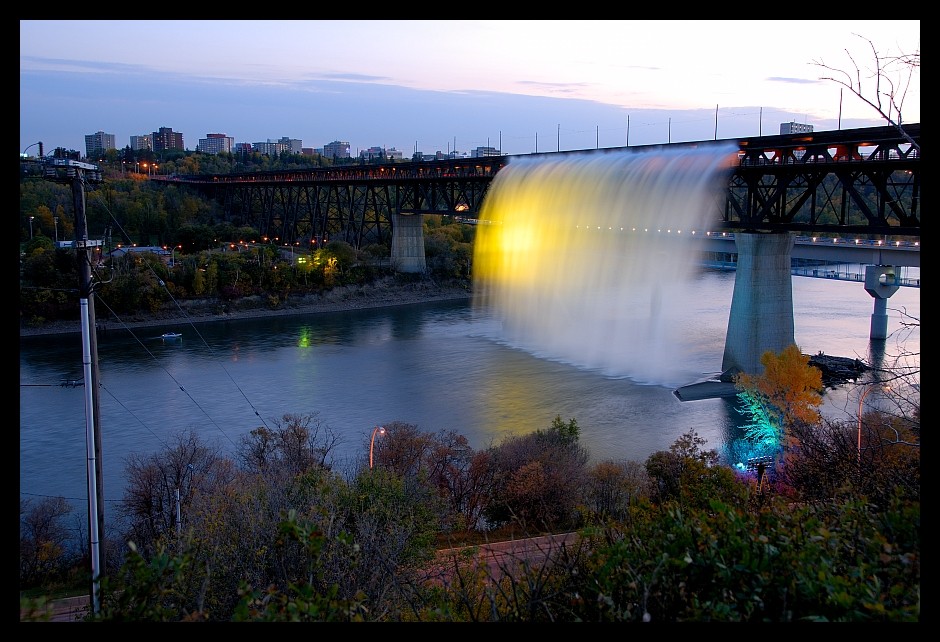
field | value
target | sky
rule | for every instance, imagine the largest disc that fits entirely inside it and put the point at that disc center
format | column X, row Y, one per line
column 445, row 85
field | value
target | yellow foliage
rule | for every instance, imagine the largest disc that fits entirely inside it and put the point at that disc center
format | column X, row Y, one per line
column 788, row 384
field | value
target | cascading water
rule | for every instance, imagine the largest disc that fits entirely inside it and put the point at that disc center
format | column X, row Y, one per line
column 585, row 259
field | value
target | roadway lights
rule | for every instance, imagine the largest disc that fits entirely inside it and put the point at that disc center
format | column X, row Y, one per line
column 381, row 431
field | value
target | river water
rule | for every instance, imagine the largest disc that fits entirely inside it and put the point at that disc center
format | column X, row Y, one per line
column 441, row 366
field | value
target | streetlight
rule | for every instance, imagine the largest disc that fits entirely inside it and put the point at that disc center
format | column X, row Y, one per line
column 381, row 431
column 31, row 227
column 860, row 400
column 55, row 221
column 173, row 254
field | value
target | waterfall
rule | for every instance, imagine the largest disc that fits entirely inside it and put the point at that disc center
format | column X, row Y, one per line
column 586, row 259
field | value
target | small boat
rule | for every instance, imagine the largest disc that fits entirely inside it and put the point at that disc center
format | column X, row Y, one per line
column 170, row 335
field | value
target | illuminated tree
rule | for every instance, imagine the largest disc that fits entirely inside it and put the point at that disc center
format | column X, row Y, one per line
column 787, row 392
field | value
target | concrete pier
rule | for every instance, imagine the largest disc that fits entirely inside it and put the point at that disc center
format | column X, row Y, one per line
column 408, row 243
column 881, row 283
column 761, row 316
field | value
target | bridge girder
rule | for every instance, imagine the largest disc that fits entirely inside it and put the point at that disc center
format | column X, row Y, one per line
column 863, row 181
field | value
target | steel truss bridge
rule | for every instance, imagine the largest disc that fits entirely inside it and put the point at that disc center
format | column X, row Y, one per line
column 858, row 181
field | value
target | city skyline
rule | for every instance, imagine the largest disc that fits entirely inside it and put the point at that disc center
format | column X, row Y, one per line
column 429, row 86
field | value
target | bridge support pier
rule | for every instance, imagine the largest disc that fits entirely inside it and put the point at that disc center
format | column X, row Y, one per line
column 881, row 283
column 761, row 316
column 408, row 243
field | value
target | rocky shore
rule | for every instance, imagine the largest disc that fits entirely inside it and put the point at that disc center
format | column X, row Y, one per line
column 387, row 292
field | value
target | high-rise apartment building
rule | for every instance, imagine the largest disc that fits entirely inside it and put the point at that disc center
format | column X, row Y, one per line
column 390, row 154
column 336, row 149
column 143, row 142
column 294, row 145
column 795, row 128
column 97, row 143
column 480, row 152
column 215, row 144
column 166, row 139
column 270, row 148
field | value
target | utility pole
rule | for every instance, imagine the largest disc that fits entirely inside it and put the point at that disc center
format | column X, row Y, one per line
column 77, row 175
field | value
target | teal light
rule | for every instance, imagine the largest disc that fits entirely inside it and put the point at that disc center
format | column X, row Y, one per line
column 763, row 435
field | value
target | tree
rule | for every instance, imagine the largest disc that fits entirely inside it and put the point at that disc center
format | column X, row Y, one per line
column 539, row 478
column 44, row 541
column 891, row 78
column 788, row 391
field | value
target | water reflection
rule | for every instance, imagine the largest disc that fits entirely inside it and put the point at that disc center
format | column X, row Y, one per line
column 456, row 372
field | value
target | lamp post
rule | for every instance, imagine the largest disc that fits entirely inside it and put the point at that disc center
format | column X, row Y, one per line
column 55, row 221
column 861, row 399
column 381, row 431
column 173, row 254
column 31, row 227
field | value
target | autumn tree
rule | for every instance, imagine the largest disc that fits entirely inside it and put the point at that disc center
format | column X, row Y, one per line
column 614, row 486
column 148, row 509
column 295, row 444
column 788, row 391
column 689, row 475
column 46, row 550
column 539, row 478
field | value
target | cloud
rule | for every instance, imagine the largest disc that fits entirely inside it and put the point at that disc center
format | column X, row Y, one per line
column 795, row 81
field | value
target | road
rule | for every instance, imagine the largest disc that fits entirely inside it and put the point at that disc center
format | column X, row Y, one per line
column 501, row 558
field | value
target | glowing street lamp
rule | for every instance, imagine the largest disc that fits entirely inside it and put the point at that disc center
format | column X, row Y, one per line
column 31, row 227
column 381, row 431
column 860, row 400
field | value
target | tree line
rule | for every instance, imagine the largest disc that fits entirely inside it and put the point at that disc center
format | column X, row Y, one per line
column 207, row 260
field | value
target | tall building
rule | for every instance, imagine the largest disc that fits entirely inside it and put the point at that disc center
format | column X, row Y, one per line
column 97, row 143
column 480, row 152
column 336, row 149
column 166, row 139
column 215, row 144
column 795, row 128
column 294, row 145
column 371, row 153
column 271, row 148
column 143, row 142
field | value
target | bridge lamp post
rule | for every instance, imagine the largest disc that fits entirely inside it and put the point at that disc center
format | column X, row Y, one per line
column 31, row 227
column 861, row 399
column 381, row 431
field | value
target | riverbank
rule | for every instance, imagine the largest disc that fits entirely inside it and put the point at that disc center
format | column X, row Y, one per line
column 386, row 292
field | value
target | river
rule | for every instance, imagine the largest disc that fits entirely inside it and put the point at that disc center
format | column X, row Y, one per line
column 441, row 366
